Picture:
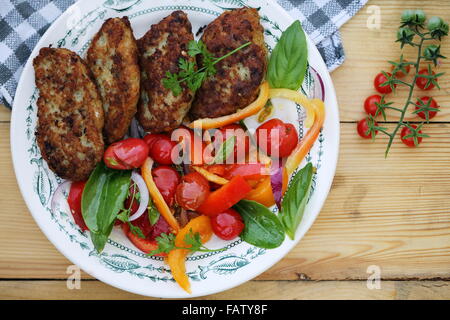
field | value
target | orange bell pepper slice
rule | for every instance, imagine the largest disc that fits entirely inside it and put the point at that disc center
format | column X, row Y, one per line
column 177, row 257
column 263, row 192
column 251, row 109
column 157, row 197
column 225, row 197
column 297, row 155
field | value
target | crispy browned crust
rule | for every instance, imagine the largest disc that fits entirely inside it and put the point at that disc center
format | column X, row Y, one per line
column 113, row 59
column 70, row 114
column 239, row 76
column 160, row 50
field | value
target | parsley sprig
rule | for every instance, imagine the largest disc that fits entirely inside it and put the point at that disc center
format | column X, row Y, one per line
column 189, row 73
column 124, row 214
column 166, row 243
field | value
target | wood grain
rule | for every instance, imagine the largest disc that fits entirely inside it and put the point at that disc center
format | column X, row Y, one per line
column 379, row 212
column 252, row 290
column 367, row 52
column 393, row 213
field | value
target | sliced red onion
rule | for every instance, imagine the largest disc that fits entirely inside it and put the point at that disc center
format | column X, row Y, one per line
column 144, row 195
column 59, row 198
column 135, row 130
column 318, row 90
column 276, row 181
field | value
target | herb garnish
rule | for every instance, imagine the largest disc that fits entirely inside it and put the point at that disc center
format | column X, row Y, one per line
column 188, row 73
column 166, row 243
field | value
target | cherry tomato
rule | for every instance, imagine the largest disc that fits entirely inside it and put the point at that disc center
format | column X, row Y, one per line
column 145, row 245
column 111, row 160
column 166, row 179
column 287, row 137
column 160, row 148
column 143, row 223
column 227, row 225
column 192, row 145
column 400, row 73
column 410, row 141
column 129, row 153
column 161, row 226
column 362, row 129
column 192, row 191
column 369, row 105
column 379, row 80
column 74, row 200
column 424, row 101
column 242, row 142
column 422, row 82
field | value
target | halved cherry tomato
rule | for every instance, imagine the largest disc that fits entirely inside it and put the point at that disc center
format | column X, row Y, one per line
column 192, row 144
column 143, row 244
column 166, row 179
column 160, row 147
column 422, row 82
column 227, row 225
column 277, row 138
column 424, row 101
column 410, row 140
column 379, row 80
column 192, row 191
column 225, row 197
column 242, row 142
column 362, row 129
column 129, row 153
column 74, row 200
column 369, row 104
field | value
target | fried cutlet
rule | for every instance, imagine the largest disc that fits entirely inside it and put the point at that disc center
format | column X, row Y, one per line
column 70, row 114
column 160, row 49
column 113, row 60
column 238, row 77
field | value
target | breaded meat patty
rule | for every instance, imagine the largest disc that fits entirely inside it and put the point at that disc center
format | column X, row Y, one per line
column 70, row 114
column 160, row 50
column 113, row 60
column 238, row 77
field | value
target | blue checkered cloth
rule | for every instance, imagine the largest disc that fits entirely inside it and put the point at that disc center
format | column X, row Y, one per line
column 24, row 22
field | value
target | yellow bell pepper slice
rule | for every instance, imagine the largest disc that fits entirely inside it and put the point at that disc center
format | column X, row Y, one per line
column 177, row 257
column 210, row 176
column 251, row 109
column 303, row 147
column 157, row 197
column 297, row 97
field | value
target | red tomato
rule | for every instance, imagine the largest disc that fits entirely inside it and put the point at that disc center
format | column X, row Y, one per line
column 160, row 148
column 145, row 245
column 242, row 142
column 268, row 132
column 143, row 223
column 161, row 226
column 227, row 225
column 166, row 179
column 151, row 138
column 422, row 82
column 362, row 129
column 111, row 160
column 379, row 80
column 192, row 191
column 193, row 145
column 424, row 101
column 400, row 73
column 74, row 200
column 410, row 141
column 369, row 105
column 129, row 153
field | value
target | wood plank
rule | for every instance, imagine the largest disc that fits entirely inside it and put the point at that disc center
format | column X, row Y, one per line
column 367, row 52
column 394, row 213
column 252, row 290
column 5, row 113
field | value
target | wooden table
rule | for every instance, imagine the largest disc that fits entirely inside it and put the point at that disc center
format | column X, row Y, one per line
column 393, row 213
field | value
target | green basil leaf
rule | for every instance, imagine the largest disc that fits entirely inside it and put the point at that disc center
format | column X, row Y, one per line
column 225, row 150
column 102, row 200
column 295, row 199
column 289, row 58
column 262, row 227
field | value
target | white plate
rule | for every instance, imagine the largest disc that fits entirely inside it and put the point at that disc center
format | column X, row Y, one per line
column 121, row 264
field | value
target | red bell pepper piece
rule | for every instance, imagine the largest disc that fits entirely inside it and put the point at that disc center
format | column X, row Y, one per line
column 225, row 197
column 251, row 171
